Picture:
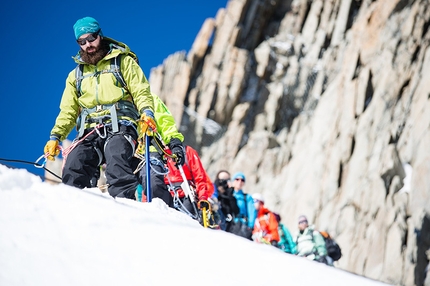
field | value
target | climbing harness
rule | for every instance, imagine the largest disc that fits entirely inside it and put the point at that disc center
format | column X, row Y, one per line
column 120, row 108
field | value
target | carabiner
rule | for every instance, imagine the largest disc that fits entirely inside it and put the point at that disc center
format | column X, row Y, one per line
column 40, row 166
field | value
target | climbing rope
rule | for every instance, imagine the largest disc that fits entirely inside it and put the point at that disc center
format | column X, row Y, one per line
column 35, row 164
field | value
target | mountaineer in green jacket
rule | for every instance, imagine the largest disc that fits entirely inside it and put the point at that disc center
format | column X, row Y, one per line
column 169, row 133
column 310, row 243
column 107, row 97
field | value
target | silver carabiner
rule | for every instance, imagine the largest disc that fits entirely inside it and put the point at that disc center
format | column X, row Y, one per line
column 37, row 165
column 104, row 129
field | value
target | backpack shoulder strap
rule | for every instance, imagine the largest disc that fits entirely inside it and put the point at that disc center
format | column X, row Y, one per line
column 246, row 206
column 312, row 234
column 115, row 69
column 79, row 71
column 115, row 65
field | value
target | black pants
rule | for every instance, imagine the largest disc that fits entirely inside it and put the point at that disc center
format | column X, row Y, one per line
column 158, row 186
column 188, row 205
column 117, row 152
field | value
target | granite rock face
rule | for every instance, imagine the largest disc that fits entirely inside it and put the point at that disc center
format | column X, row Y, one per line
column 325, row 106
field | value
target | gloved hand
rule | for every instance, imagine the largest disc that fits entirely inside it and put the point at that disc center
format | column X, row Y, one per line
column 52, row 149
column 178, row 150
column 228, row 217
column 146, row 123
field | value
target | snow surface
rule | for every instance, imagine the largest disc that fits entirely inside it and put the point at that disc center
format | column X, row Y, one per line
column 59, row 235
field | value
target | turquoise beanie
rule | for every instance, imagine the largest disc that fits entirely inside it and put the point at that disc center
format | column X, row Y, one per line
column 86, row 25
column 239, row 175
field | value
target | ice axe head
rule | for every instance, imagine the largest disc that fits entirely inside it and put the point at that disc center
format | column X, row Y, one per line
column 204, row 204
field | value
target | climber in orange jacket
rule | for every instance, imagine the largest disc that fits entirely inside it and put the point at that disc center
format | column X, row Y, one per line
column 196, row 175
column 266, row 224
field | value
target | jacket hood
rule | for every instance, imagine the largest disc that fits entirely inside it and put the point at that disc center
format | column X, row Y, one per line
column 116, row 48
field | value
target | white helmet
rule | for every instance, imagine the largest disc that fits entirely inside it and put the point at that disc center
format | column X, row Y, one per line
column 258, row 197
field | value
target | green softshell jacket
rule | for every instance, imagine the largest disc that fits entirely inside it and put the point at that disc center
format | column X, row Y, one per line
column 100, row 88
column 166, row 126
column 310, row 242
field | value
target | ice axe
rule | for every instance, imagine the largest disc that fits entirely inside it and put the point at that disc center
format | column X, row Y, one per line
column 204, row 206
column 185, row 186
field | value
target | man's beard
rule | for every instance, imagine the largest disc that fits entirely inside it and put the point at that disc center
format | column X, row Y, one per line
column 94, row 57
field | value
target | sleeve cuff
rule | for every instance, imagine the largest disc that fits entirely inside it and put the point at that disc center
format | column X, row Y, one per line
column 54, row 137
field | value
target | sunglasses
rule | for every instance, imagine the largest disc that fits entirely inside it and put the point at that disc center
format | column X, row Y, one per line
column 303, row 221
column 240, row 179
column 91, row 38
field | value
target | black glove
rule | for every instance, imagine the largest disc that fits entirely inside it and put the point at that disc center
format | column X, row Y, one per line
column 177, row 149
column 274, row 243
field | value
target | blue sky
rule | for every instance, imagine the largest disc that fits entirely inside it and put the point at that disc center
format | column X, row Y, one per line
column 38, row 43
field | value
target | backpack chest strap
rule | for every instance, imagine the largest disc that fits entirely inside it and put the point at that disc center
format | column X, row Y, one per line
column 115, row 69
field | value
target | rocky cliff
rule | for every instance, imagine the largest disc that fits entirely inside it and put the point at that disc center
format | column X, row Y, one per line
column 325, row 106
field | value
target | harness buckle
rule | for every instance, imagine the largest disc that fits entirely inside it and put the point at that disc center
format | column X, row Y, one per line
column 99, row 108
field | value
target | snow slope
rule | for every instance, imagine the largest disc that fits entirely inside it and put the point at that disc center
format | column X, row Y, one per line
column 59, row 235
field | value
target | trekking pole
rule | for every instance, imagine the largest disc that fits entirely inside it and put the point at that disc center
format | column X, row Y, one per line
column 148, row 170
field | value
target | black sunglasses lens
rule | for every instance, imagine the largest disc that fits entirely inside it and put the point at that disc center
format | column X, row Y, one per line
column 91, row 38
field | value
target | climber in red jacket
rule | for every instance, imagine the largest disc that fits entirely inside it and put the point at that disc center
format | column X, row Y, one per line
column 196, row 175
column 266, row 225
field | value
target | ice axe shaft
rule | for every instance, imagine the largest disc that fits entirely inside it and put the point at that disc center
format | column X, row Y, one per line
column 205, row 208
column 185, row 186
column 205, row 217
